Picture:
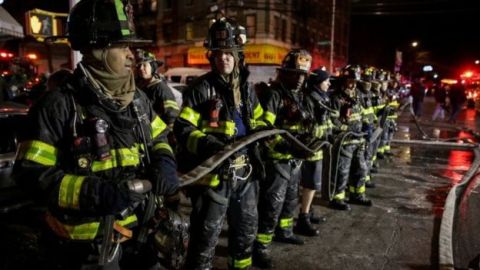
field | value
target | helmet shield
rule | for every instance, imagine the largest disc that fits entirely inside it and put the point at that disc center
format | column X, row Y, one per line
column 297, row 60
column 225, row 35
column 101, row 23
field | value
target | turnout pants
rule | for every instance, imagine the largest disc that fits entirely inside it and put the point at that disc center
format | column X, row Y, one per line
column 278, row 200
column 210, row 206
column 351, row 170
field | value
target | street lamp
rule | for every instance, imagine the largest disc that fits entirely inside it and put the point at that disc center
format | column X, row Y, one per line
column 414, row 44
column 477, row 62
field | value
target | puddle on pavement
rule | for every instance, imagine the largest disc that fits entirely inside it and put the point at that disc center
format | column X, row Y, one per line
column 458, row 161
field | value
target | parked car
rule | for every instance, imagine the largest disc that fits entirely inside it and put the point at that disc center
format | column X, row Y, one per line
column 12, row 117
column 177, row 89
column 184, row 75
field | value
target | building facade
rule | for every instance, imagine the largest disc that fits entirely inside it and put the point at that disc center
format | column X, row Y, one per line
column 273, row 27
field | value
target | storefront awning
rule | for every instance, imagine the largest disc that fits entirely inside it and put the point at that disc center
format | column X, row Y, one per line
column 9, row 27
column 263, row 54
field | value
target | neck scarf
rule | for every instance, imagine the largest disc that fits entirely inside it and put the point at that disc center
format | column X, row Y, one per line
column 118, row 88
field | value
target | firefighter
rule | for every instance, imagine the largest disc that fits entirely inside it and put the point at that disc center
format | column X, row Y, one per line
column 351, row 167
column 156, row 89
column 378, row 104
column 318, row 103
column 284, row 108
column 390, row 106
column 369, row 118
column 219, row 108
column 95, row 149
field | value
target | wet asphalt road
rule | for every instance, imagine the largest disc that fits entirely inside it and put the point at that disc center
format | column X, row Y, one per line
column 400, row 231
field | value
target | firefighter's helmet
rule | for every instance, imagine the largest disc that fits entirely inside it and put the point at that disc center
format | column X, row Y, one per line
column 351, row 72
column 145, row 56
column 100, row 23
column 297, row 60
column 225, row 35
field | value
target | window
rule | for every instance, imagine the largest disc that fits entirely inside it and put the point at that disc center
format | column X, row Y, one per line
column 251, row 25
column 276, row 27
column 293, row 33
column 167, row 32
column 284, row 30
column 189, row 31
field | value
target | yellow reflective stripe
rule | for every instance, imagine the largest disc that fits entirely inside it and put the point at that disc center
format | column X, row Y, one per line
column 286, row 223
column 211, row 180
column 354, row 141
column 192, row 141
column 39, row 152
column 224, row 127
column 354, row 117
column 257, row 112
column 270, row 117
column 257, row 123
column 343, row 127
column 367, row 178
column 69, row 194
column 368, row 111
column 264, row 238
column 86, row 231
column 317, row 156
column 158, row 126
column 381, row 150
column 170, row 104
column 163, row 146
column 127, row 221
column 190, row 115
column 358, row 190
column 122, row 17
column 393, row 116
column 123, row 157
column 292, row 127
column 387, row 147
column 340, row 196
column 243, row 263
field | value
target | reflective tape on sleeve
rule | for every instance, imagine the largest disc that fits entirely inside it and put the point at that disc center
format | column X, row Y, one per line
column 257, row 112
column 163, row 146
column 192, row 141
column 39, row 152
column 270, row 117
column 69, row 193
column 170, row 104
column 157, row 127
column 191, row 116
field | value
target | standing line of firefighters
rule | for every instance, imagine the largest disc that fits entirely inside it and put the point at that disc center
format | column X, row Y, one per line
column 103, row 158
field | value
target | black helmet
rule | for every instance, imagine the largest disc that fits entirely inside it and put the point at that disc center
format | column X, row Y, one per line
column 145, row 56
column 225, row 35
column 297, row 60
column 100, row 23
column 351, row 72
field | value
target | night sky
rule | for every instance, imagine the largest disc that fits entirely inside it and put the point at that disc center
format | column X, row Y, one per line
column 448, row 32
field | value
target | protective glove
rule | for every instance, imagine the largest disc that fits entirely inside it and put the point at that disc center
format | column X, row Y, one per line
column 108, row 197
column 212, row 145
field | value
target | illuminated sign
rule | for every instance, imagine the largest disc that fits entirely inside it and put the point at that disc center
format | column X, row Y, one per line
column 427, row 68
column 42, row 24
column 254, row 54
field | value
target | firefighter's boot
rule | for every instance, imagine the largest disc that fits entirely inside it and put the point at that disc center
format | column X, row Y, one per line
column 304, row 226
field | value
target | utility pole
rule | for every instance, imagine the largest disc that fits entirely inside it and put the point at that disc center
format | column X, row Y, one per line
column 332, row 37
column 74, row 55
